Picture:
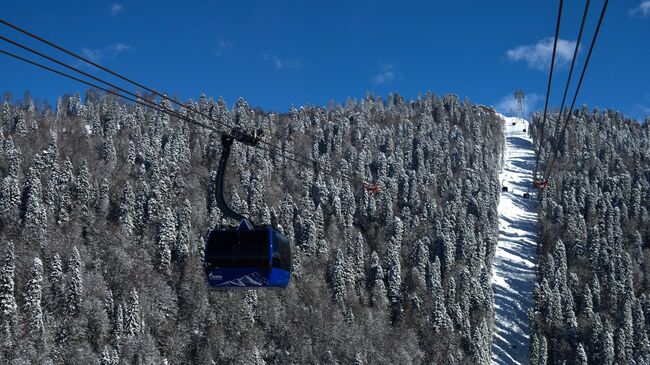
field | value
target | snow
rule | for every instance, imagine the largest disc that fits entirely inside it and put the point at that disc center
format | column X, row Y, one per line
column 514, row 267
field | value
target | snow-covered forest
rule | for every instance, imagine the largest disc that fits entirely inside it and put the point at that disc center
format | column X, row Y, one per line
column 104, row 207
column 591, row 299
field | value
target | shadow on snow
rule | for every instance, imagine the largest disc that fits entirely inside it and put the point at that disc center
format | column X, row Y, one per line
column 516, row 257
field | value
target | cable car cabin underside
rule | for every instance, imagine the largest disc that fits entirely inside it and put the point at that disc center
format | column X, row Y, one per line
column 247, row 256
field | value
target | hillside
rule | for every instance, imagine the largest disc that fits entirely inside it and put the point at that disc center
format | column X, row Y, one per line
column 104, row 208
column 591, row 298
column 515, row 261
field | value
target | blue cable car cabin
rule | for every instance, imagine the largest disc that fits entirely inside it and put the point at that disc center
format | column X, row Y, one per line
column 247, row 257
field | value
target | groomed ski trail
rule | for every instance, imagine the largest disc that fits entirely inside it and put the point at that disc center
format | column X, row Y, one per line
column 513, row 270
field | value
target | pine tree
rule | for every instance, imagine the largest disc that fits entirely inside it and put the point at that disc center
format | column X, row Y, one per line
column 12, row 156
column 543, row 351
column 109, row 305
column 132, row 322
column 9, row 200
column 638, row 251
column 32, row 306
column 595, row 291
column 359, row 263
column 108, row 153
column 55, row 277
column 581, row 356
column 309, row 237
column 250, row 306
column 439, row 318
column 480, row 349
column 75, row 288
column 607, row 341
column 126, row 209
column 619, row 347
column 75, row 107
column 131, row 153
column 393, row 273
column 534, row 348
column 6, row 114
column 20, row 126
column 109, row 356
column 448, row 247
column 117, row 332
column 82, row 187
column 103, row 200
column 64, row 193
column 35, row 219
column 420, row 259
column 166, row 240
column 377, row 287
column 559, row 258
column 154, row 204
column 339, row 279
column 7, row 298
column 183, row 229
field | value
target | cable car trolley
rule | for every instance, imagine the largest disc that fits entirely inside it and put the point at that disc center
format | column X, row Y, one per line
column 539, row 184
column 246, row 256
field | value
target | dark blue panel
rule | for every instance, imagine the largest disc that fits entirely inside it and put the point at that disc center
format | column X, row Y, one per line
column 279, row 278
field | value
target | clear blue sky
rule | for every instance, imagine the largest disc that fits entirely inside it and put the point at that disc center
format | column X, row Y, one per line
column 275, row 53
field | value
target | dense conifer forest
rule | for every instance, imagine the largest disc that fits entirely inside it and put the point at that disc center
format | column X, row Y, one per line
column 591, row 299
column 105, row 206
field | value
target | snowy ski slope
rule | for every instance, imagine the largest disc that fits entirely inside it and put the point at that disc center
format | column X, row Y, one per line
column 513, row 275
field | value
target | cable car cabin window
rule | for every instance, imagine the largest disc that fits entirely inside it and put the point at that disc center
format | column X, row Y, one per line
column 254, row 249
column 281, row 252
column 222, row 249
column 239, row 249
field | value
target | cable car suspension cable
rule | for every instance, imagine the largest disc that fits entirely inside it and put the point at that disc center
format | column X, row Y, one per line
column 134, row 97
column 573, row 61
column 548, row 87
column 575, row 95
column 311, row 161
column 150, row 104
column 568, row 82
